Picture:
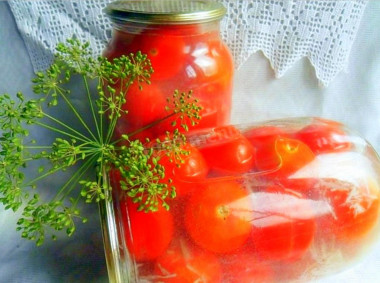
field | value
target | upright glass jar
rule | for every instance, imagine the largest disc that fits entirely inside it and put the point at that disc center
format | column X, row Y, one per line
column 182, row 40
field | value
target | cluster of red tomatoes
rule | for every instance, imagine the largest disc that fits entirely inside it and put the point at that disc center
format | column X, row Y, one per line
column 183, row 57
column 240, row 216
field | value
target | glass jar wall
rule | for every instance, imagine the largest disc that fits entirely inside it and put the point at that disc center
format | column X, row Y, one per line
column 182, row 41
column 290, row 200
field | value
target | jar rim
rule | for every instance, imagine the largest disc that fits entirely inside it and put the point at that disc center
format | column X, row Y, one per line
column 165, row 11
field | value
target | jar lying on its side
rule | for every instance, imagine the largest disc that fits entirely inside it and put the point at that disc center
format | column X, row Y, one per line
column 282, row 200
column 182, row 40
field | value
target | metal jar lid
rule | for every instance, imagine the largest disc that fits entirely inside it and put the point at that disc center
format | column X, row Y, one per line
column 165, row 11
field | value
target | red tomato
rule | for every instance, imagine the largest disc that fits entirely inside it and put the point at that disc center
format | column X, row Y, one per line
column 355, row 209
column 228, row 150
column 277, row 153
column 246, row 268
column 291, row 154
column 147, row 234
column 144, row 106
column 264, row 139
column 214, row 97
column 283, row 224
column 183, row 263
column 207, row 70
column 193, row 169
column 324, row 138
column 165, row 50
column 218, row 217
column 223, row 58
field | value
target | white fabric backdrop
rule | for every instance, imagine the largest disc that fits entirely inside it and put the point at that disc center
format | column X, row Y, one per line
column 285, row 31
column 351, row 97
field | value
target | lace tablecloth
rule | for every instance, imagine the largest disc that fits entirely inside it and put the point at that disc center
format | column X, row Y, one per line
column 286, row 31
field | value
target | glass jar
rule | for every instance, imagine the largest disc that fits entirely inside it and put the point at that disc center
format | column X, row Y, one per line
column 182, row 40
column 289, row 200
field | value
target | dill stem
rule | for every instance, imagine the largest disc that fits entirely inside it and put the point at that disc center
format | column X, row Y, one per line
column 75, row 177
column 77, row 115
column 54, row 129
column 154, row 123
column 66, row 126
column 100, row 85
column 50, row 172
column 91, row 103
column 37, row 146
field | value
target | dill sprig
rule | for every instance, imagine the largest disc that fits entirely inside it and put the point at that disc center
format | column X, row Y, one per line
column 91, row 148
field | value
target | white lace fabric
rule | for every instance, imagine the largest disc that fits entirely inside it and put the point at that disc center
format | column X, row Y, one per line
column 284, row 30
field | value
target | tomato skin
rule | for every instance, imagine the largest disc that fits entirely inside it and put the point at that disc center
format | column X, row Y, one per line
column 165, row 50
column 283, row 224
column 264, row 139
column 140, row 102
column 355, row 209
column 228, row 151
column 193, row 170
column 182, row 262
column 324, row 138
column 293, row 155
column 147, row 234
column 218, row 217
column 277, row 155
column 209, row 74
column 141, row 111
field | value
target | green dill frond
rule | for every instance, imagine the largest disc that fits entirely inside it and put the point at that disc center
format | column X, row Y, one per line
column 93, row 152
